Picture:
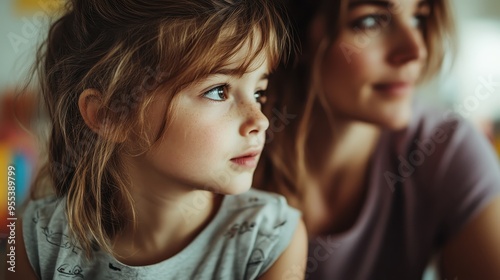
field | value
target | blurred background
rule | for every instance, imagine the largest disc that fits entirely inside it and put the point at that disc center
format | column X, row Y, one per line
column 469, row 86
column 470, row 83
column 22, row 25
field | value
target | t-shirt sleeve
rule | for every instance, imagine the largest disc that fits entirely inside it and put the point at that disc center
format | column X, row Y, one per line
column 468, row 180
column 35, row 215
column 280, row 233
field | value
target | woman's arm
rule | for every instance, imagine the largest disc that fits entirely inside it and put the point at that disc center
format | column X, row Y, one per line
column 474, row 253
column 291, row 264
column 23, row 270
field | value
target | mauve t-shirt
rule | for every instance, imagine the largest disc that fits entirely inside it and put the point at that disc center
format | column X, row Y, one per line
column 425, row 183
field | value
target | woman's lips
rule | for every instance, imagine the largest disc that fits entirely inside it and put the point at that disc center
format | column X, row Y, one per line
column 394, row 90
column 249, row 160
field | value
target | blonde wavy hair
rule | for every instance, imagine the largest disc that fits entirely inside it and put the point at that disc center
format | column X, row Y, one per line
column 127, row 52
column 283, row 167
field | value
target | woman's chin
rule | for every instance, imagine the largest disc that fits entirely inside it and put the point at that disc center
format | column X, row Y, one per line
column 393, row 120
column 401, row 121
column 398, row 117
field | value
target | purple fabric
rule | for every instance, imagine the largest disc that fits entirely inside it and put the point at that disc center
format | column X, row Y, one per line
column 425, row 184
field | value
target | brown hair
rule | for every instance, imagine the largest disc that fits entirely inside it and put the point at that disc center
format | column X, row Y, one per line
column 127, row 52
column 283, row 167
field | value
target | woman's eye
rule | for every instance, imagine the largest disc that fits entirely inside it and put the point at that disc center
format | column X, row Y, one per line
column 260, row 96
column 371, row 22
column 216, row 94
column 420, row 21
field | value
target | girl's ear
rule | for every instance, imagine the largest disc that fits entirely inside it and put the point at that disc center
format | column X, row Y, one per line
column 89, row 104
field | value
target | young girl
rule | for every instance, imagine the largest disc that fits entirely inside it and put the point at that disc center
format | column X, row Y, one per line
column 156, row 132
column 384, row 183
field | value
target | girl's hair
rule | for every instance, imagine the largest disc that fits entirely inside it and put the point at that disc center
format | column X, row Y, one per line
column 129, row 52
column 283, row 167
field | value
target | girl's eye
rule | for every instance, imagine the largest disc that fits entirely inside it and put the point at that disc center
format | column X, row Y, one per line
column 369, row 22
column 260, row 96
column 216, row 94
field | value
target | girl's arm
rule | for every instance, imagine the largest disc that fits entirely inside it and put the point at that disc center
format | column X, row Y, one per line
column 292, row 263
column 24, row 271
column 475, row 252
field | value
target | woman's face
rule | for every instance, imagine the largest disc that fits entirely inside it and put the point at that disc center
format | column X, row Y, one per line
column 370, row 71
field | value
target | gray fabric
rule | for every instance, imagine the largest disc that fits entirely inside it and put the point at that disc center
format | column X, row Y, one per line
column 424, row 184
column 249, row 232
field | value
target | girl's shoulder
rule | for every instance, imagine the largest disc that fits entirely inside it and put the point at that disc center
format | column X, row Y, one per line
column 44, row 212
column 266, row 207
column 45, row 234
column 256, row 227
column 255, row 198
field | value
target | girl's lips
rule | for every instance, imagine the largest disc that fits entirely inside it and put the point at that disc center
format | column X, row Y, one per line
column 394, row 90
column 249, row 160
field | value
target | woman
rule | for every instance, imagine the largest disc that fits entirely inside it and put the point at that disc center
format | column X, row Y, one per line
column 384, row 183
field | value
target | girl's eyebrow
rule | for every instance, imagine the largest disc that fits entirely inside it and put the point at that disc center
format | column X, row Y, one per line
column 264, row 76
column 227, row 72
column 381, row 3
column 236, row 72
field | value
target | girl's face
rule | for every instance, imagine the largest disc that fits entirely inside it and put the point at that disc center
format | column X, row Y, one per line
column 216, row 134
column 370, row 71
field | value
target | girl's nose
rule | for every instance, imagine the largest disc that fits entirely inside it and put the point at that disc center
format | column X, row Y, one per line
column 255, row 121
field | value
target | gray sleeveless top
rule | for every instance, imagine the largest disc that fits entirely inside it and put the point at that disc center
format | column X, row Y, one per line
column 247, row 235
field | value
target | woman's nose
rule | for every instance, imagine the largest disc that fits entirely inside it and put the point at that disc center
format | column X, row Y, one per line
column 407, row 45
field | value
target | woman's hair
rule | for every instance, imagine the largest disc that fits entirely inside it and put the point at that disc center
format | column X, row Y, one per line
column 283, row 166
column 129, row 52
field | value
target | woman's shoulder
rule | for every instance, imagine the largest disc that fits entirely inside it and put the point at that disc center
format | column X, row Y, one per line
column 440, row 151
column 446, row 159
column 434, row 130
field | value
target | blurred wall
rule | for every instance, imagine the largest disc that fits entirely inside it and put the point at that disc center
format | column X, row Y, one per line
column 22, row 26
column 478, row 61
column 468, row 9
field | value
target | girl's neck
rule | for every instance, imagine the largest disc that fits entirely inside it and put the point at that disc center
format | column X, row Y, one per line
column 168, row 218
